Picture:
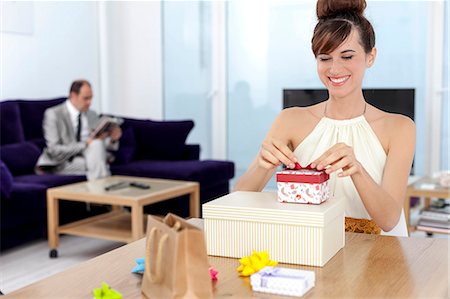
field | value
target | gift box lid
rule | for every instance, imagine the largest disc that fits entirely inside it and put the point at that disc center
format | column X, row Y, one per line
column 264, row 207
column 302, row 176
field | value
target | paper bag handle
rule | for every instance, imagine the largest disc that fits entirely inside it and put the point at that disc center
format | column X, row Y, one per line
column 177, row 226
column 157, row 276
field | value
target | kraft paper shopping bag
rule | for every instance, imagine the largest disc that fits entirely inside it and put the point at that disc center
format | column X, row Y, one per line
column 176, row 262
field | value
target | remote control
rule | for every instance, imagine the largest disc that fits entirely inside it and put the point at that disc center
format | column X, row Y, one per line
column 116, row 186
column 139, row 185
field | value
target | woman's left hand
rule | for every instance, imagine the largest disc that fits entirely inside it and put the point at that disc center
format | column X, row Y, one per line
column 339, row 156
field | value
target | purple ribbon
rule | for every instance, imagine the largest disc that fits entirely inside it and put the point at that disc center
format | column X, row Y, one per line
column 273, row 272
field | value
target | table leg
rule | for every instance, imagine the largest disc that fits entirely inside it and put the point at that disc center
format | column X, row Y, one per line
column 194, row 203
column 426, row 206
column 137, row 222
column 427, row 202
column 406, row 210
column 52, row 221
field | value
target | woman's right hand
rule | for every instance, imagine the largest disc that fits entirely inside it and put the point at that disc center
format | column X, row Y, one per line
column 273, row 153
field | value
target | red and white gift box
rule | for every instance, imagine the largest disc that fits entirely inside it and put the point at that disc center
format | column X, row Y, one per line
column 303, row 185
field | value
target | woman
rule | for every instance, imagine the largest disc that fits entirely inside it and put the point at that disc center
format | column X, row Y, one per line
column 367, row 152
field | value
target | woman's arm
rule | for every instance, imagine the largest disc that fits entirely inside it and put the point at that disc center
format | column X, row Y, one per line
column 274, row 152
column 384, row 202
column 255, row 178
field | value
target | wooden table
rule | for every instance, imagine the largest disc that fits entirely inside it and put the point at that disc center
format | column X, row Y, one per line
column 368, row 266
column 117, row 225
column 416, row 190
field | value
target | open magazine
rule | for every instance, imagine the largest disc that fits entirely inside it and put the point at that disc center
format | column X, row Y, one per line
column 105, row 125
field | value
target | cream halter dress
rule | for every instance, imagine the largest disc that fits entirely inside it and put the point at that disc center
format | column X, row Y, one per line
column 355, row 132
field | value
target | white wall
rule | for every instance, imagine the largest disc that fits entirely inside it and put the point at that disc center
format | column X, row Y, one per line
column 114, row 45
column 131, row 58
column 61, row 47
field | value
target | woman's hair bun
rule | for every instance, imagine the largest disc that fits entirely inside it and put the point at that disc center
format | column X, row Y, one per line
column 332, row 8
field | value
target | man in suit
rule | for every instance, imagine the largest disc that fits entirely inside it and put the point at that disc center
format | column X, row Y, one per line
column 70, row 147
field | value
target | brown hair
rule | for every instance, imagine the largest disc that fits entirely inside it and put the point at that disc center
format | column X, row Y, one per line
column 337, row 18
column 77, row 84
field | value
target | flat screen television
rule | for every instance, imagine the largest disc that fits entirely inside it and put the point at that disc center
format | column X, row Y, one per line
column 390, row 100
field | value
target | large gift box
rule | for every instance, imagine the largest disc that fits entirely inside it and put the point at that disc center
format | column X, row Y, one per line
column 303, row 186
column 240, row 222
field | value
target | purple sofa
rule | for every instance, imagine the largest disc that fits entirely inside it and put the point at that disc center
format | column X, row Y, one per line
column 148, row 148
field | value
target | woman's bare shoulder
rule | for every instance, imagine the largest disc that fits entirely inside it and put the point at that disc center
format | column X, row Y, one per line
column 400, row 124
column 298, row 122
column 391, row 122
column 400, row 133
column 302, row 113
column 393, row 127
column 390, row 127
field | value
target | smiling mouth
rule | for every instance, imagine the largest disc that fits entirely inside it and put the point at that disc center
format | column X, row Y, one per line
column 338, row 81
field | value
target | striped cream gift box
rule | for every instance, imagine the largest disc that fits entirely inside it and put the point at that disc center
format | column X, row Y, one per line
column 240, row 222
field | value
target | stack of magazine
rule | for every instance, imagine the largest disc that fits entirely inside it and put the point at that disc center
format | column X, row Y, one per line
column 435, row 219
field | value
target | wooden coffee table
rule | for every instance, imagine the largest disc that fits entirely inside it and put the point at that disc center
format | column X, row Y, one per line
column 119, row 224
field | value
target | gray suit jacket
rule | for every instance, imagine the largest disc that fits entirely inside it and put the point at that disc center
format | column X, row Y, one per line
column 60, row 136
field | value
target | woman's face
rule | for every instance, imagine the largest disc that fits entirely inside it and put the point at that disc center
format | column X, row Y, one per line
column 342, row 70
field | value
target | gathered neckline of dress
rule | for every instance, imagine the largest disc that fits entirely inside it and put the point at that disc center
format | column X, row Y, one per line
column 343, row 121
column 361, row 119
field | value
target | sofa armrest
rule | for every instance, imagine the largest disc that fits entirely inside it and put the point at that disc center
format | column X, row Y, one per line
column 191, row 152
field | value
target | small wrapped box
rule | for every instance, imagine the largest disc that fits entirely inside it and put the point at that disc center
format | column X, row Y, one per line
column 283, row 281
column 240, row 222
column 303, row 186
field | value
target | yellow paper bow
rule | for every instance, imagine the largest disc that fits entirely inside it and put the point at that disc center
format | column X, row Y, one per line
column 254, row 263
column 105, row 292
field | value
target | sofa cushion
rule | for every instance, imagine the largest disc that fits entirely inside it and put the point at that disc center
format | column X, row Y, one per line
column 50, row 180
column 39, row 142
column 26, row 204
column 160, row 140
column 205, row 172
column 6, row 180
column 32, row 115
column 127, row 147
column 10, row 123
column 192, row 152
column 20, row 158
